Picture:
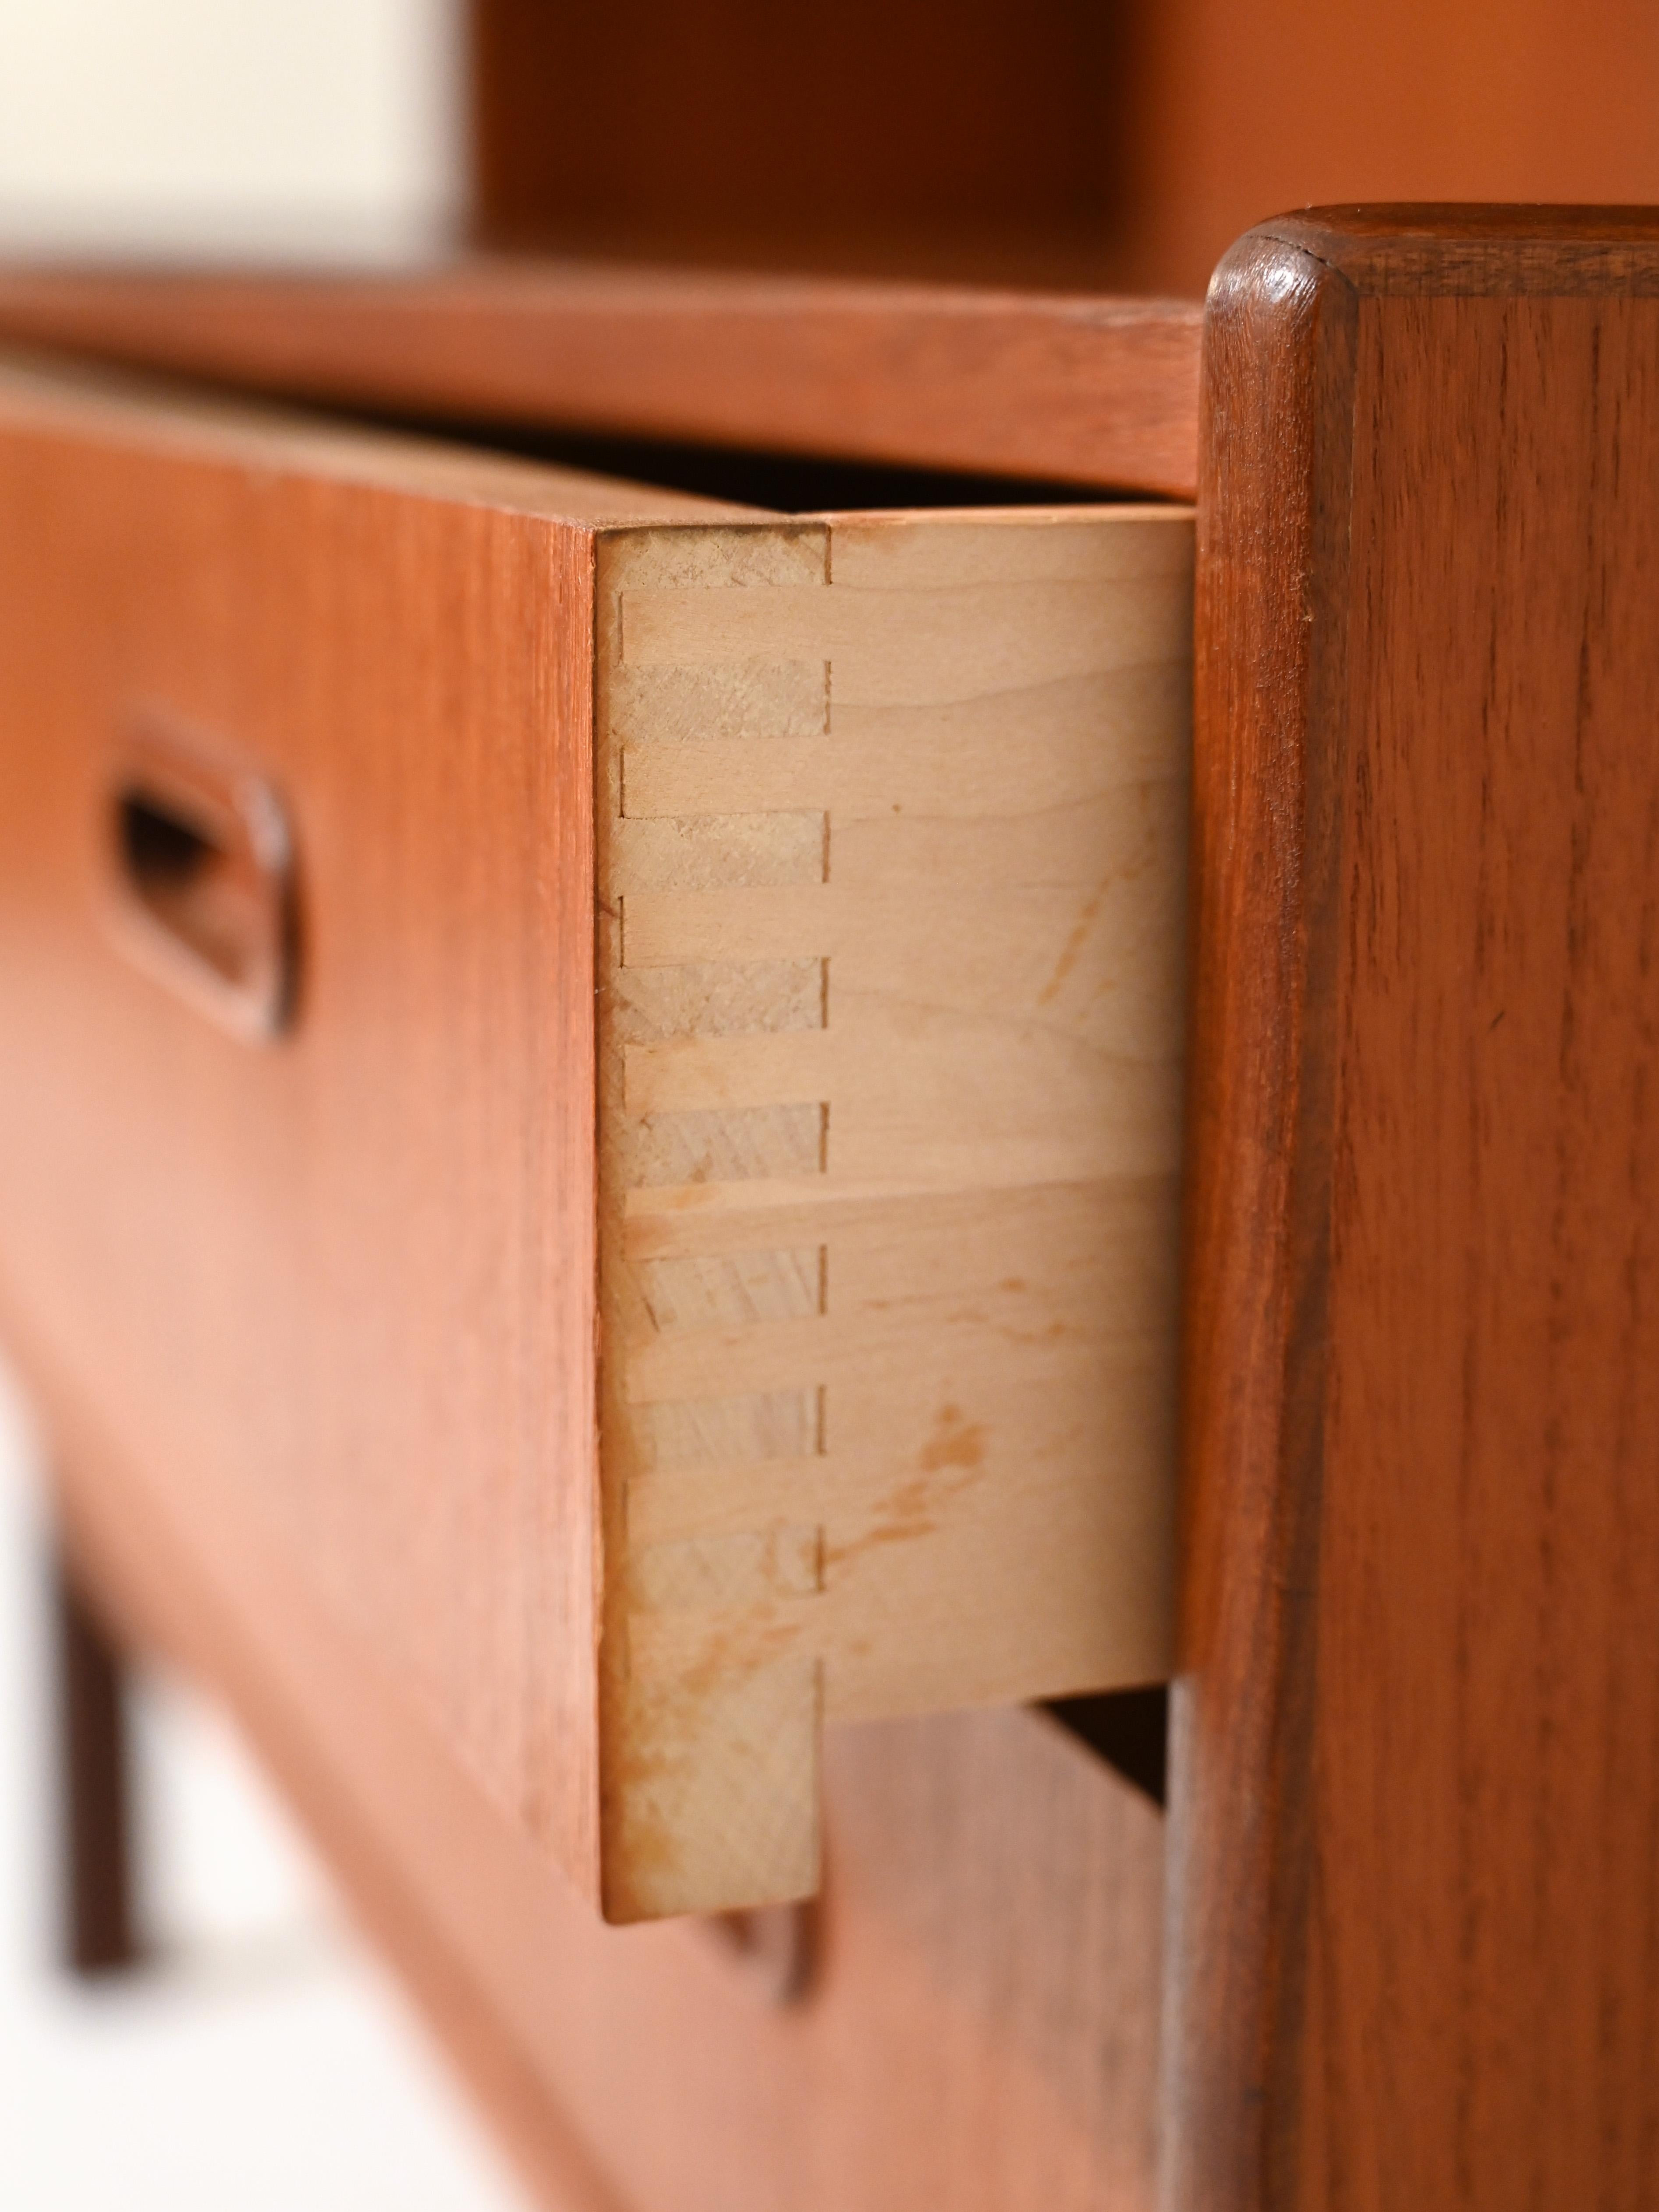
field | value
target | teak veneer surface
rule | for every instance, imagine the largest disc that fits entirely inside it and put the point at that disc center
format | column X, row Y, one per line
column 695, row 1263
column 344, row 1273
column 979, row 2027
column 1086, row 391
column 1415, row 1760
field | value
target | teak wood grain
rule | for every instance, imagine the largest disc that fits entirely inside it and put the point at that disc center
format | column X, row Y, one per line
column 980, row 2026
column 347, row 1274
column 1415, row 1778
column 1044, row 386
column 797, row 1342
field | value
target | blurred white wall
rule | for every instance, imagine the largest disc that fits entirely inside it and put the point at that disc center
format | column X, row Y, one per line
column 234, row 126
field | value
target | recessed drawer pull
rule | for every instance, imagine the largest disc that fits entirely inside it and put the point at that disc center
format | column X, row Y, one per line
column 203, row 874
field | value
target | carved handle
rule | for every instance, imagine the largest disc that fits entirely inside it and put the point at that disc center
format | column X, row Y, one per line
column 203, row 867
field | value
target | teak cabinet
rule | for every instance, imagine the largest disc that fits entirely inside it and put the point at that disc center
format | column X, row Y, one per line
column 596, row 1087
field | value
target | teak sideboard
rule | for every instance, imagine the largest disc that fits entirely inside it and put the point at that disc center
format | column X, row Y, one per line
column 760, row 1040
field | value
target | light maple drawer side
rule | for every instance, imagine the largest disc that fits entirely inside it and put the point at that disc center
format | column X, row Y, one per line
column 891, row 863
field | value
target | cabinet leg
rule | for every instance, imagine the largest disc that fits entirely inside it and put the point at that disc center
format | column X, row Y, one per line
column 94, row 1813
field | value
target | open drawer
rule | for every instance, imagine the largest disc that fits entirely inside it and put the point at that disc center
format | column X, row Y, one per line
column 599, row 1073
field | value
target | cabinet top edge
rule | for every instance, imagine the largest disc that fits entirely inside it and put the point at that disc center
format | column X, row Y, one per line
column 1067, row 387
column 1458, row 251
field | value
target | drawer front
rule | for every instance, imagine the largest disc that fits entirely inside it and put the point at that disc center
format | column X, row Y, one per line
column 345, row 1272
column 605, row 1070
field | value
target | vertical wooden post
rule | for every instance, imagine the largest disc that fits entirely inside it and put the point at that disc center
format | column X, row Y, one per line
column 95, row 1833
column 1414, row 1865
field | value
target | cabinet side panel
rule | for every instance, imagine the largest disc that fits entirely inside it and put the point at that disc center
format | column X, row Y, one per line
column 1415, row 1801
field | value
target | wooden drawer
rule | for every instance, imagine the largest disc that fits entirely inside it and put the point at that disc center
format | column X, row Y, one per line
column 599, row 1073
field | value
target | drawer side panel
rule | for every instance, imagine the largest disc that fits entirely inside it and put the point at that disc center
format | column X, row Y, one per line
column 890, row 834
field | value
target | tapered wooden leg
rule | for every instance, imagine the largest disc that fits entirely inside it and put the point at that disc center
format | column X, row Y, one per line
column 95, row 1838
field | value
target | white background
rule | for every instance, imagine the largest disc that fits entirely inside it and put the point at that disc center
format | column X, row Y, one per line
column 232, row 122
